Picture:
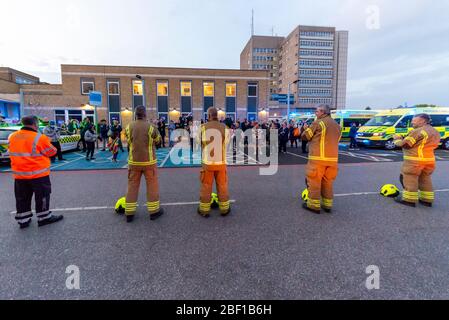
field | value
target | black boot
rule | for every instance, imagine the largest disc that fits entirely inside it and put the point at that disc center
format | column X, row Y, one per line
column 405, row 203
column 224, row 214
column 156, row 215
column 304, row 205
column 129, row 219
column 204, row 215
column 24, row 225
column 52, row 219
column 426, row 204
column 327, row 210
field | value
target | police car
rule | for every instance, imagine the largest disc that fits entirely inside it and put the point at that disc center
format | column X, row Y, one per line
column 68, row 142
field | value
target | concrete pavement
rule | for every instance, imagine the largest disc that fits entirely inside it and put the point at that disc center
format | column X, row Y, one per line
column 269, row 248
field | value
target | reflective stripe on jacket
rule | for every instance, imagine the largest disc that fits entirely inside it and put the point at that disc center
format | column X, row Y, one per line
column 324, row 136
column 420, row 144
column 29, row 152
column 142, row 139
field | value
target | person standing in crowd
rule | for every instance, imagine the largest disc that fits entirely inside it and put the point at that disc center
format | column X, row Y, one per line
column 30, row 152
column 291, row 134
column 303, row 141
column 117, row 129
column 283, row 138
column 322, row 169
column 53, row 134
column 142, row 139
column 213, row 141
column 84, row 126
column 162, row 127
column 419, row 162
column 113, row 146
column 352, row 135
column 2, row 121
column 90, row 137
column 73, row 127
column 104, row 130
column 171, row 129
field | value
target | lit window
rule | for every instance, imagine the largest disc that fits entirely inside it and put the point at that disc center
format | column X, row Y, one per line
column 231, row 89
column 87, row 86
column 208, row 89
column 138, row 88
column 113, row 88
column 162, row 89
column 186, row 88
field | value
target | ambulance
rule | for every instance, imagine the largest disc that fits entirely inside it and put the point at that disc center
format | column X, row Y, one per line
column 345, row 118
column 68, row 142
column 379, row 131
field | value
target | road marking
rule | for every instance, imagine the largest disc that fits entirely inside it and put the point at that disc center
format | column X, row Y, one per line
column 172, row 204
column 371, row 193
column 297, row 155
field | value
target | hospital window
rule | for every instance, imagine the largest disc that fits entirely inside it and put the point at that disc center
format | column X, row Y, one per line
column 208, row 89
column 162, row 89
column 186, row 88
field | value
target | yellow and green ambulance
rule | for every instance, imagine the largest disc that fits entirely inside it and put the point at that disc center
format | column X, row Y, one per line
column 379, row 131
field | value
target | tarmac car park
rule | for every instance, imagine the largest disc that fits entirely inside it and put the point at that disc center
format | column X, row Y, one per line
column 68, row 142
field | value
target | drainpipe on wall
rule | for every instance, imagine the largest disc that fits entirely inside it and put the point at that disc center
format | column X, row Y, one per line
column 22, row 104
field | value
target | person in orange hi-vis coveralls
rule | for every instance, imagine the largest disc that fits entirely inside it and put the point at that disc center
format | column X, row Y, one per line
column 30, row 153
column 322, row 169
column 213, row 141
column 419, row 162
column 142, row 139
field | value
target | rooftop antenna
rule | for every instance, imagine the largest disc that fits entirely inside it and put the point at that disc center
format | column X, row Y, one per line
column 252, row 22
column 272, row 31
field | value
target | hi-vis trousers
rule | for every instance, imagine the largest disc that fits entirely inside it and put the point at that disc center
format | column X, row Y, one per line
column 207, row 178
column 320, row 180
column 416, row 179
column 134, row 175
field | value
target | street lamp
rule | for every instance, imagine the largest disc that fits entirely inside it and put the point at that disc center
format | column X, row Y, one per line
column 288, row 100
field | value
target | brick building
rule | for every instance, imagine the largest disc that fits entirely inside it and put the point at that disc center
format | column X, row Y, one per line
column 166, row 92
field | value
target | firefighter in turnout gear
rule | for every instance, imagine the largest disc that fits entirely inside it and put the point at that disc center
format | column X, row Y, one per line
column 213, row 141
column 142, row 140
column 30, row 153
column 419, row 162
column 322, row 169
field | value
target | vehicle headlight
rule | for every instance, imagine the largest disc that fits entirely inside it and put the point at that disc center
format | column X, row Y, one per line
column 379, row 134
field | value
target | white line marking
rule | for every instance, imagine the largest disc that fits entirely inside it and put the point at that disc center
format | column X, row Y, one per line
column 107, row 208
column 166, row 158
column 297, row 155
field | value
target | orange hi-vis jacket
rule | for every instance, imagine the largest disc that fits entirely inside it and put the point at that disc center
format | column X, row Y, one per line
column 324, row 136
column 420, row 144
column 30, row 153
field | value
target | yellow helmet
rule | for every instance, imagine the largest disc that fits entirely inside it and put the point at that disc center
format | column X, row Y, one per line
column 214, row 200
column 390, row 190
column 305, row 195
column 120, row 205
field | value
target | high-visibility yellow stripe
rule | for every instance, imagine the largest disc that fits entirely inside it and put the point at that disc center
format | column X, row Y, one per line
column 150, row 151
column 419, row 159
column 323, row 159
column 411, row 139
column 423, row 143
column 328, row 202
column 309, row 132
column 148, row 163
column 323, row 138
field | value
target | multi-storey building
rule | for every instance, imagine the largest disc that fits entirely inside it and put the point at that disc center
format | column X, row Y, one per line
column 311, row 64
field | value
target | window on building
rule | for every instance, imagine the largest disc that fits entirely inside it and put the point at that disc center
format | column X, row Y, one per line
column 137, row 87
column 186, row 88
column 252, row 89
column 208, row 89
column 231, row 89
column 113, row 88
column 87, row 86
column 162, row 88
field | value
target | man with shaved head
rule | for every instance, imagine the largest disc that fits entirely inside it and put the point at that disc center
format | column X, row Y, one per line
column 322, row 169
column 419, row 162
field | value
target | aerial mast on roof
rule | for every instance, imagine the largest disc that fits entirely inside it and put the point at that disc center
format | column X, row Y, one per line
column 252, row 22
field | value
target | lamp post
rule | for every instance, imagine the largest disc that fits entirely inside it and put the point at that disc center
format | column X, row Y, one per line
column 288, row 100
